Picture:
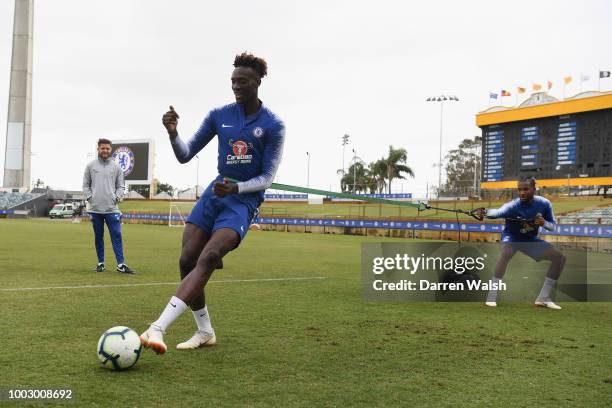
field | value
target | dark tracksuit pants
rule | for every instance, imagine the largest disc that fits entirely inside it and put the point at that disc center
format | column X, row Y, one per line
column 113, row 221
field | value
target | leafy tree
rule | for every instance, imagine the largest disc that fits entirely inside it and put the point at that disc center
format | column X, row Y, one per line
column 142, row 189
column 460, row 164
column 356, row 178
column 377, row 175
column 165, row 187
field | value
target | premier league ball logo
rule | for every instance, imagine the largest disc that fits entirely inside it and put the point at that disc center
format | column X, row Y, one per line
column 124, row 157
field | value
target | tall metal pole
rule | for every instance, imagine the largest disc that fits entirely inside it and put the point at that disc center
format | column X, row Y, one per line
column 474, row 174
column 441, row 99
column 354, row 171
column 308, row 170
column 440, row 157
column 343, row 149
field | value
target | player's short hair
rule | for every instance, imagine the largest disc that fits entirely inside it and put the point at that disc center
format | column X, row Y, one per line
column 104, row 141
column 528, row 179
column 249, row 60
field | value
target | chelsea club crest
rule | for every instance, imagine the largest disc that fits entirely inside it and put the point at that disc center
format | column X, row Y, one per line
column 124, row 157
column 258, row 132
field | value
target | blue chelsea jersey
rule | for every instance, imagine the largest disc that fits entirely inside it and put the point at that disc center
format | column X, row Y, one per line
column 250, row 148
column 519, row 217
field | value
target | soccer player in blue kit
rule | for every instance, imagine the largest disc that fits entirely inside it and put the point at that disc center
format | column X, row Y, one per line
column 524, row 218
column 250, row 140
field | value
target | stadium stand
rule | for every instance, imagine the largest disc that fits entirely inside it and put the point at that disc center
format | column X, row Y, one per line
column 11, row 200
column 599, row 215
column 38, row 202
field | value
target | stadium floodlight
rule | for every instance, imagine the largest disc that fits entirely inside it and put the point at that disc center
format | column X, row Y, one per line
column 345, row 141
column 441, row 99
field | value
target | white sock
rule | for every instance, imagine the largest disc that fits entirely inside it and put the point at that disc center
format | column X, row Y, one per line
column 202, row 319
column 492, row 296
column 546, row 288
column 173, row 310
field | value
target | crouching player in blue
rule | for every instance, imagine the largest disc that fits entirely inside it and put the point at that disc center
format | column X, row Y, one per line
column 250, row 140
column 524, row 218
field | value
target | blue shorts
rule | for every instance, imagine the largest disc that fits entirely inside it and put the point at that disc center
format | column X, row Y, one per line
column 211, row 213
column 532, row 247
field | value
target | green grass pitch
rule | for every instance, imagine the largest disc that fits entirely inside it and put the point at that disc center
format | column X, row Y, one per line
column 311, row 342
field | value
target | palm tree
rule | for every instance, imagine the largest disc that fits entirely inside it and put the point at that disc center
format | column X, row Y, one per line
column 396, row 165
column 355, row 179
column 378, row 173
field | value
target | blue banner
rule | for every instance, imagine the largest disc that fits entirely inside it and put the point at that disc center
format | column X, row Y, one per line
column 594, row 231
column 387, row 196
column 286, row 196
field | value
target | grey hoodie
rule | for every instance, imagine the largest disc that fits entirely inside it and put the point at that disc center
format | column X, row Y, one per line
column 103, row 185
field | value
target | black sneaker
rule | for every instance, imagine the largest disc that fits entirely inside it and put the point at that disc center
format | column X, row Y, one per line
column 99, row 268
column 123, row 268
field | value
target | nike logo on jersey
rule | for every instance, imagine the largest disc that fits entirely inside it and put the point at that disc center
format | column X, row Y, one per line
column 223, row 125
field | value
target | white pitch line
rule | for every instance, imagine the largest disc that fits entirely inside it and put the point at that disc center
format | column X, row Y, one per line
column 160, row 284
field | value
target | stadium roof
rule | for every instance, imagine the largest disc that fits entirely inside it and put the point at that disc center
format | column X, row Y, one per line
column 134, row 195
column 541, row 105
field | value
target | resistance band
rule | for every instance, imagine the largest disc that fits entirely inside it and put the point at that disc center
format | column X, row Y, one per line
column 296, row 189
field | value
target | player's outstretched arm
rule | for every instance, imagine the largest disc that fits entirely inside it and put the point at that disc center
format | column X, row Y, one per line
column 479, row 213
column 185, row 151
column 170, row 122
column 504, row 211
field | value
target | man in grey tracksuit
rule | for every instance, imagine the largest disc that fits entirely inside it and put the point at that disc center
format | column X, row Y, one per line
column 103, row 186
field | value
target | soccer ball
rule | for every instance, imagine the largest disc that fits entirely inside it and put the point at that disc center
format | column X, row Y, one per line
column 119, row 348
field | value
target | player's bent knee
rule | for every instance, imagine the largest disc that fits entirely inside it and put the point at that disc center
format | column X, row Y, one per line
column 210, row 258
column 184, row 271
column 560, row 258
column 186, row 264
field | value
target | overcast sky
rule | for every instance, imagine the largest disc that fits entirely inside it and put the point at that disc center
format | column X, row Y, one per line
column 111, row 68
